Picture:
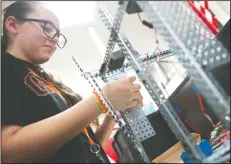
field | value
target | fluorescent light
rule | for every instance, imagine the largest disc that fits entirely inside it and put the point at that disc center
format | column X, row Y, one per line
column 97, row 40
column 72, row 12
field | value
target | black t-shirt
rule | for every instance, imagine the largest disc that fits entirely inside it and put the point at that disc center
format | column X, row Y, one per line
column 27, row 99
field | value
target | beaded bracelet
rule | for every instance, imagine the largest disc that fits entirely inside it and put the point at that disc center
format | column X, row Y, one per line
column 99, row 102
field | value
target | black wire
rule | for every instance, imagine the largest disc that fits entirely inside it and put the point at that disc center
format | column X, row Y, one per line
column 146, row 23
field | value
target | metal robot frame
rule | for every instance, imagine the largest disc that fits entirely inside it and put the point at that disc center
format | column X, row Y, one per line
column 196, row 48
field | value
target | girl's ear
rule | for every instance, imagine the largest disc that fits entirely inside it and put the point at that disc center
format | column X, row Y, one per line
column 11, row 25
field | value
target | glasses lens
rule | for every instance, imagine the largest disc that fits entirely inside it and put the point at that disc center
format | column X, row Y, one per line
column 50, row 30
column 62, row 41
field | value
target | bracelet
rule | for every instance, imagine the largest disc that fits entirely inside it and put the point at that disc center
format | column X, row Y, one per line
column 99, row 102
column 105, row 110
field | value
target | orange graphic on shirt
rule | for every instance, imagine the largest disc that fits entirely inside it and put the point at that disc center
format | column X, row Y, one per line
column 40, row 87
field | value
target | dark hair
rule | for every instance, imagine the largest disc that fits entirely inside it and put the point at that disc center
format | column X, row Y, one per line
column 68, row 94
column 20, row 9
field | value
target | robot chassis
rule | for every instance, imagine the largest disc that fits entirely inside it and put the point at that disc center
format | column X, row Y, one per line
column 198, row 51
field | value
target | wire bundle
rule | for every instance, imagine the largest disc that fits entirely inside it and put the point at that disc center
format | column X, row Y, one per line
column 202, row 109
column 219, row 134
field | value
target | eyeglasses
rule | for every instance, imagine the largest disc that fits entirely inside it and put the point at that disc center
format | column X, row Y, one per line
column 49, row 30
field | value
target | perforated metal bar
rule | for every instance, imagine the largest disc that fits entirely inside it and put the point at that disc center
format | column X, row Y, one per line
column 181, row 28
column 124, row 126
column 127, row 66
column 111, row 43
column 167, row 110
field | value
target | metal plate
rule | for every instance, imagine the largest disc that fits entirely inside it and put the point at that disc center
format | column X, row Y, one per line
column 139, row 124
column 194, row 45
column 127, row 66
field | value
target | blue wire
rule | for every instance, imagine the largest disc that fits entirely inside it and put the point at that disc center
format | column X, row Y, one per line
column 178, row 110
column 196, row 89
column 176, row 107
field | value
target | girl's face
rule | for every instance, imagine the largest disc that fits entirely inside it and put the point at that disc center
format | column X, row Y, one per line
column 31, row 37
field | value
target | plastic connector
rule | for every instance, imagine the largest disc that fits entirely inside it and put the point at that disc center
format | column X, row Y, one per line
column 185, row 157
column 148, row 24
column 206, row 147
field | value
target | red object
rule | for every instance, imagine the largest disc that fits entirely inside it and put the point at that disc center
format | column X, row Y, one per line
column 211, row 24
column 194, row 127
column 218, row 124
column 109, row 150
column 206, row 4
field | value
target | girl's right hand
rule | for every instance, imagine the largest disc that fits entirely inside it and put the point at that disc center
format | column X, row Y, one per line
column 123, row 93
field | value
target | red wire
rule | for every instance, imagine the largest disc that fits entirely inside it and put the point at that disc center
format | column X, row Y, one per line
column 139, row 17
column 201, row 103
column 225, row 135
column 191, row 125
column 218, row 124
column 156, row 38
column 147, row 58
column 202, row 108
column 194, row 128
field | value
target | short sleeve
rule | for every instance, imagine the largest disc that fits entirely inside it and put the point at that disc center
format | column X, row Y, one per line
column 10, row 100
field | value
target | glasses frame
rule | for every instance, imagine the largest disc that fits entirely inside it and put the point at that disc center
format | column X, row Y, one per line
column 45, row 23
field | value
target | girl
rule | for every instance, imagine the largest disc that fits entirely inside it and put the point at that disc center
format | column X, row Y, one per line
column 40, row 121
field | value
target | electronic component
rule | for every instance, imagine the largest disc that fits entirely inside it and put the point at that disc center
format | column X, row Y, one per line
column 132, row 7
column 116, row 61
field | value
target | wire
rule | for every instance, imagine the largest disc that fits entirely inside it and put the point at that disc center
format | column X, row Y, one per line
column 218, row 124
column 150, row 25
column 157, row 40
column 195, row 128
column 202, row 108
column 164, row 61
column 178, row 110
column 226, row 137
column 147, row 57
column 223, row 136
column 209, row 119
column 139, row 17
